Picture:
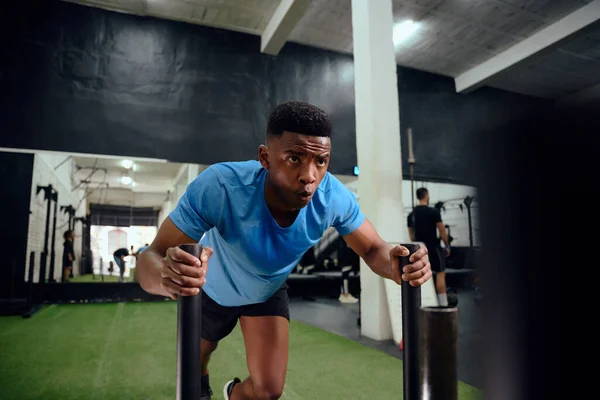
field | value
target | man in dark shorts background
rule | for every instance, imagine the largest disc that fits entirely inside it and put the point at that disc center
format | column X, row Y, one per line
column 423, row 229
column 119, row 256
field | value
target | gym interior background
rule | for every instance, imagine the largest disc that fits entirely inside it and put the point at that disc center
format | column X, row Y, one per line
column 115, row 106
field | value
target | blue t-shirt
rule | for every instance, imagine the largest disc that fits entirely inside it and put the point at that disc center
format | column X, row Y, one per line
column 253, row 255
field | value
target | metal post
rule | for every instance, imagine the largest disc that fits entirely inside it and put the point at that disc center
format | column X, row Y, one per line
column 189, row 323
column 42, row 278
column 411, row 162
column 86, row 259
column 29, row 308
column 30, row 280
column 47, row 192
column 468, row 201
column 54, row 197
column 411, row 303
column 438, row 353
column 71, row 212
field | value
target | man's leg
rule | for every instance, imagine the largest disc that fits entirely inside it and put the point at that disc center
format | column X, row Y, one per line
column 207, row 347
column 118, row 262
column 435, row 259
column 440, row 283
column 66, row 273
column 266, row 340
column 122, row 272
column 217, row 323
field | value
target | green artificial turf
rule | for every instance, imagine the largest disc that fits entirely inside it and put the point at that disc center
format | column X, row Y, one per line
column 127, row 351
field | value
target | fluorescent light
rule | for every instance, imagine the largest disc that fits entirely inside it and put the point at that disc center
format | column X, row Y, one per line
column 403, row 30
column 126, row 180
column 127, row 164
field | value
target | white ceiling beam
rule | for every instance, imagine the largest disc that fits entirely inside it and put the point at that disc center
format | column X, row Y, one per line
column 535, row 45
column 281, row 25
column 588, row 95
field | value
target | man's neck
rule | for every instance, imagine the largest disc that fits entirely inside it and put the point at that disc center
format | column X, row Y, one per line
column 282, row 215
column 423, row 203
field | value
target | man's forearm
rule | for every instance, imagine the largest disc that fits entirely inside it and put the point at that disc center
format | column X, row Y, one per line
column 147, row 272
column 444, row 236
column 378, row 259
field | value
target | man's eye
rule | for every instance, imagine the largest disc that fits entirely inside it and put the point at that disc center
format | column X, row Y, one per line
column 294, row 159
column 321, row 162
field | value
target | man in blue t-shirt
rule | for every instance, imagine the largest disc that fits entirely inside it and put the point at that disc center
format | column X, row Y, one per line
column 255, row 220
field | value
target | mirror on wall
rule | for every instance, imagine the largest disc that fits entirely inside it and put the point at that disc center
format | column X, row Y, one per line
column 91, row 216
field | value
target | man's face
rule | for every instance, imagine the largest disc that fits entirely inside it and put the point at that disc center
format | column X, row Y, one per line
column 296, row 164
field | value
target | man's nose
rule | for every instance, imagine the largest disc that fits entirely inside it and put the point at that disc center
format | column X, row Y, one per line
column 308, row 174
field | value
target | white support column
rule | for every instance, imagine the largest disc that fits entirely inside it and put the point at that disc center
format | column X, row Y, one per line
column 193, row 171
column 378, row 147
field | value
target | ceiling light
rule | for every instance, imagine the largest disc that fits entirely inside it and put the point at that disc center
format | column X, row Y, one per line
column 127, row 164
column 403, row 30
column 126, row 180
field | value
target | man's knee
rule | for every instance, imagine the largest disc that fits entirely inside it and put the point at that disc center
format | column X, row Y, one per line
column 269, row 389
column 207, row 346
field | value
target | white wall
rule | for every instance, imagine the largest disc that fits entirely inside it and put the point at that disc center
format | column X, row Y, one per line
column 166, row 209
column 187, row 173
column 45, row 173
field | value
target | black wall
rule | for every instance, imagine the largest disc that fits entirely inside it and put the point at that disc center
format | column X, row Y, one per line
column 86, row 80
column 16, row 172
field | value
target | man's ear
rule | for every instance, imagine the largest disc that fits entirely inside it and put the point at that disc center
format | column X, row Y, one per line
column 263, row 156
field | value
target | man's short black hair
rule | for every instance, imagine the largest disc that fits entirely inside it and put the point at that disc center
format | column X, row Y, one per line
column 67, row 234
column 421, row 193
column 298, row 117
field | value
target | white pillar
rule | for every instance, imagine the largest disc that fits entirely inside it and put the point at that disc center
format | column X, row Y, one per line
column 378, row 147
column 193, row 171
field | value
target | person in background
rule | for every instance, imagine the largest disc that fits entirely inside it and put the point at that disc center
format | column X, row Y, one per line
column 422, row 224
column 140, row 250
column 68, row 255
column 119, row 256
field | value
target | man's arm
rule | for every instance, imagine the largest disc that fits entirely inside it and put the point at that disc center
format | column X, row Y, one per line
column 366, row 242
column 409, row 224
column 443, row 233
column 151, row 261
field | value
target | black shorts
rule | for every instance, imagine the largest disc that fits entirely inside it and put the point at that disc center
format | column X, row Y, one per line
column 219, row 321
column 436, row 259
